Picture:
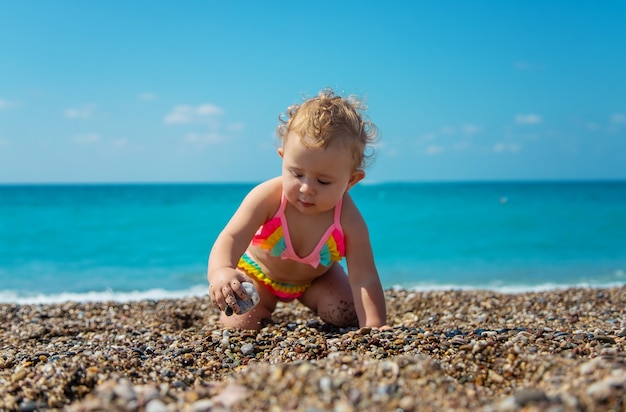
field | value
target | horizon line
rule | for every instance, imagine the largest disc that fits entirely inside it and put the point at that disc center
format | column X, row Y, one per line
column 363, row 183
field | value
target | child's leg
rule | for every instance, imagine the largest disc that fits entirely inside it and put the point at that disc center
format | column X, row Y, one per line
column 257, row 317
column 330, row 297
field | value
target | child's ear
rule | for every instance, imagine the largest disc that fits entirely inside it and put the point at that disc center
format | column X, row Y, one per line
column 356, row 177
column 281, row 151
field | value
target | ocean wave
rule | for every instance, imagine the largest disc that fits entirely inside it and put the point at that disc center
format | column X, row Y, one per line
column 9, row 296
column 509, row 289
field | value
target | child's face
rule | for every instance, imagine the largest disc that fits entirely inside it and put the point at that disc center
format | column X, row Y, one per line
column 315, row 179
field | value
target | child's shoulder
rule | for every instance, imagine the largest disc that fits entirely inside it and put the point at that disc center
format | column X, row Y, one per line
column 269, row 187
column 266, row 193
column 347, row 204
column 350, row 214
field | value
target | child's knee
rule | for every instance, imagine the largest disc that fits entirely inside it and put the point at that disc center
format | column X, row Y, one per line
column 341, row 314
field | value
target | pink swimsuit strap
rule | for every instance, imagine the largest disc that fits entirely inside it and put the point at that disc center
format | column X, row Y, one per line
column 274, row 236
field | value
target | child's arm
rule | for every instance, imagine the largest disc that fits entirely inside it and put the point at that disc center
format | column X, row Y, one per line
column 232, row 242
column 367, row 291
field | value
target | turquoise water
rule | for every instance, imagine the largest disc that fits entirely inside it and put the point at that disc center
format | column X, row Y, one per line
column 124, row 242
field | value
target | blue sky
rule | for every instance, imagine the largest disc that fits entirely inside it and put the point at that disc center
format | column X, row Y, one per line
column 190, row 91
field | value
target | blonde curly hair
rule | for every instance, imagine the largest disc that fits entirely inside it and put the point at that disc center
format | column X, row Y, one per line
column 328, row 119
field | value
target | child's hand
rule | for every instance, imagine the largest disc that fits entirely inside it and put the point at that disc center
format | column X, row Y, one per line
column 226, row 288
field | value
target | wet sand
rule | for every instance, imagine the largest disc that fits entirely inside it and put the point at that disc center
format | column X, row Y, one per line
column 562, row 350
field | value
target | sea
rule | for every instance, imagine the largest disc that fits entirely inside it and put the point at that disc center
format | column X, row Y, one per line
column 125, row 242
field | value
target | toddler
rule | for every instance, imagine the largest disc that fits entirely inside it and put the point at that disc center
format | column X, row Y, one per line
column 290, row 233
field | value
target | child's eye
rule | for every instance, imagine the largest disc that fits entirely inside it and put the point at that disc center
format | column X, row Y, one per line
column 296, row 174
column 323, row 182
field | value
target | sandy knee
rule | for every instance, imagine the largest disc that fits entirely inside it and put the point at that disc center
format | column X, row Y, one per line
column 340, row 314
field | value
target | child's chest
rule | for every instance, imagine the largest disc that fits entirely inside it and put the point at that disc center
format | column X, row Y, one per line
column 307, row 232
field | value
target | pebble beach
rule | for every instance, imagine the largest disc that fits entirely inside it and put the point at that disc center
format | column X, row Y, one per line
column 559, row 350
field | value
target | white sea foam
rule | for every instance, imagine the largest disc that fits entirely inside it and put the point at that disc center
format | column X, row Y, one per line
column 509, row 289
column 101, row 296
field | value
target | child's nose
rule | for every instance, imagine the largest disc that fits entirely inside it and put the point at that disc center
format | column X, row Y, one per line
column 306, row 189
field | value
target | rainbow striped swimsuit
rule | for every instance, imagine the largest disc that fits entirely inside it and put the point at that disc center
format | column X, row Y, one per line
column 274, row 236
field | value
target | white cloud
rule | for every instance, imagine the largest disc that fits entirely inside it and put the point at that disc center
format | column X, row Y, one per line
column 95, row 140
column 5, row 104
column 502, row 147
column 208, row 110
column 82, row 112
column 236, row 127
column 619, row 118
column 457, row 138
column 433, row 149
column 203, row 139
column 427, row 137
column 390, row 152
column 466, row 129
column 470, row 129
column 147, row 96
column 87, row 139
column 185, row 114
column 528, row 119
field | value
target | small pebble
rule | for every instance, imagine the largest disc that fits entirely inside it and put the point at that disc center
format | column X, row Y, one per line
column 247, row 349
column 156, row 405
